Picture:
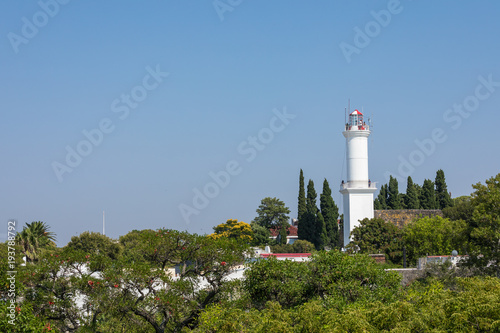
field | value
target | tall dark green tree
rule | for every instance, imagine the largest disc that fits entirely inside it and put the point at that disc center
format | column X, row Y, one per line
column 393, row 197
column 312, row 228
column 306, row 224
column 381, row 200
column 443, row 198
column 411, row 198
column 427, row 196
column 322, row 235
column 302, row 197
column 330, row 213
column 419, row 191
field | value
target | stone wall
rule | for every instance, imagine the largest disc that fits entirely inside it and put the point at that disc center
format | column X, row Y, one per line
column 401, row 217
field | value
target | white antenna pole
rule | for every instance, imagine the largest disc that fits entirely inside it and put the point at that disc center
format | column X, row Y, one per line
column 103, row 224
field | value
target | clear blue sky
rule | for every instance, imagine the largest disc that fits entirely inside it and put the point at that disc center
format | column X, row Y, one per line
column 68, row 68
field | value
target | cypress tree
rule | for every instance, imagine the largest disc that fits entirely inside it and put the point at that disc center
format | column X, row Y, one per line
column 381, row 200
column 321, row 235
column 283, row 233
column 411, row 198
column 302, row 197
column 393, row 198
column 418, row 190
column 330, row 213
column 309, row 228
column 428, row 196
column 442, row 196
column 402, row 200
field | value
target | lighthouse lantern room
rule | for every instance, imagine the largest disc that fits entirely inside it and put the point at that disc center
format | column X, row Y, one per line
column 358, row 190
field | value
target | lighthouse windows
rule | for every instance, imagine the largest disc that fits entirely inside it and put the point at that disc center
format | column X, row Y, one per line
column 356, row 119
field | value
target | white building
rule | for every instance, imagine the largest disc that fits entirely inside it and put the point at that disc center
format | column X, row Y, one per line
column 358, row 190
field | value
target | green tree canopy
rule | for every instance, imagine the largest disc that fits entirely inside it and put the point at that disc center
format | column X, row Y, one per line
column 434, row 236
column 260, row 234
column 95, row 243
column 485, row 227
column 272, row 212
column 137, row 293
column 462, row 209
column 337, row 278
column 378, row 236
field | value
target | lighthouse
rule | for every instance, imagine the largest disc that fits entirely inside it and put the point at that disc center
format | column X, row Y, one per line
column 358, row 190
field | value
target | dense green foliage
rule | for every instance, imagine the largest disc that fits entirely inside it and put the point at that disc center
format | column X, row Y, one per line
column 81, row 288
column 434, row 236
column 462, row 209
column 378, row 236
column 260, row 235
column 93, row 243
column 339, row 279
column 484, row 227
column 471, row 307
column 330, row 213
column 312, row 226
column 299, row 246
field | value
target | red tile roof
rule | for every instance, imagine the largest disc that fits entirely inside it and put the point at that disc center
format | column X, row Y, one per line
column 291, row 231
column 288, row 255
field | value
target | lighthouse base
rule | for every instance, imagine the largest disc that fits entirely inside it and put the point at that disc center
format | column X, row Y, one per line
column 358, row 204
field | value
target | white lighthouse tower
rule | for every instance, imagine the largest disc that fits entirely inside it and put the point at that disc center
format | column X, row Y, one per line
column 358, row 190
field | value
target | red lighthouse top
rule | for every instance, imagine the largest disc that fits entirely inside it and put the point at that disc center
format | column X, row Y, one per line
column 356, row 121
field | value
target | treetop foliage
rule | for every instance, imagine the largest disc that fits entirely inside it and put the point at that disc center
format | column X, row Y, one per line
column 431, row 195
column 272, row 212
column 233, row 229
column 34, row 237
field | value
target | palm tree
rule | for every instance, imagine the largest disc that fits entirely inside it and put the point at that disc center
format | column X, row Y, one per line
column 35, row 236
